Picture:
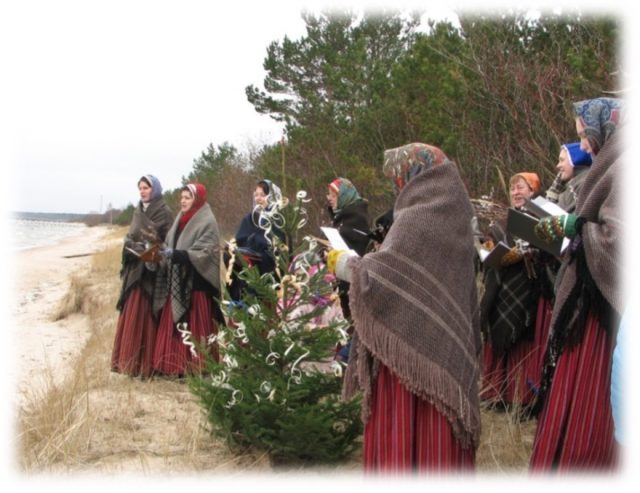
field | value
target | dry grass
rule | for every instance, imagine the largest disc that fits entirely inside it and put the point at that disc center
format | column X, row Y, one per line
column 99, row 421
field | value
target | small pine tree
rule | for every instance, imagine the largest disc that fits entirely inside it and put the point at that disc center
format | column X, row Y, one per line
column 276, row 387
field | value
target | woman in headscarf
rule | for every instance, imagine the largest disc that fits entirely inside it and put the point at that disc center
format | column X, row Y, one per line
column 573, row 165
column 255, row 234
column 191, row 275
column 350, row 216
column 575, row 427
column 416, row 346
column 508, row 312
column 136, row 330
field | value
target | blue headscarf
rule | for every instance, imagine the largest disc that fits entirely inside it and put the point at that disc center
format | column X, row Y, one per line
column 154, row 183
column 577, row 157
column 600, row 117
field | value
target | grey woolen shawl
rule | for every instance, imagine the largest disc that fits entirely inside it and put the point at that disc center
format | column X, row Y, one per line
column 201, row 240
column 414, row 303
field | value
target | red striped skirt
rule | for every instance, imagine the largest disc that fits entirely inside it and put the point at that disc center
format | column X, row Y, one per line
column 405, row 433
column 135, row 337
column 575, row 427
column 514, row 377
column 171, row 355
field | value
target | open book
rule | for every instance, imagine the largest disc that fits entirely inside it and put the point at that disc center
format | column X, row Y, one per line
column 151, row 254
column 522, row 224
column 491, row 258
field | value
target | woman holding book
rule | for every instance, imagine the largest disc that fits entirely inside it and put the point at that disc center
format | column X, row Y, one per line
column 189, row 281
column 416, row 345
column 508, row 312
column 350, row 216
column 136, row 330
column 575, row 428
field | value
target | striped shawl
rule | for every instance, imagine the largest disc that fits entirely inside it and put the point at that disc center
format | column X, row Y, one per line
column 414, row 303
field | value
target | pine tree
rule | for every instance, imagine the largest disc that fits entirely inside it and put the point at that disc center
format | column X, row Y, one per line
column 276, row 387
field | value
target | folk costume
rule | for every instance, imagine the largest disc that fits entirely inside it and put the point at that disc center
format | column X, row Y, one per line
column 190, row 283
column 575, row 427
column 351, row 219
column 136, row 329
column 416, row 346
column 255, row 235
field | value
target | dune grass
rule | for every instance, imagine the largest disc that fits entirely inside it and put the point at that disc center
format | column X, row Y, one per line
column 99, row 421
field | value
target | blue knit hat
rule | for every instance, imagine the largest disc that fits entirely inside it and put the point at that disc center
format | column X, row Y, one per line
column 577, row 157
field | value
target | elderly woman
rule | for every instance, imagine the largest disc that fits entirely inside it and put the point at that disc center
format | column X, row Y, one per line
column 508, row 312
column 575, row 427
column 350, row 216
column 192, row 284
column 136, row 330
column 416, row 345
column 573, row 165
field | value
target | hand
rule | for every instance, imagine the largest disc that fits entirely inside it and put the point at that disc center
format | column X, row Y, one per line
column 553, row 228
column 332, row 259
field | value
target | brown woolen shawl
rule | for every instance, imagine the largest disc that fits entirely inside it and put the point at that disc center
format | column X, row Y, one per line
column 414, row 303
column 201, row 240
column 156, row 219
column 598, row 204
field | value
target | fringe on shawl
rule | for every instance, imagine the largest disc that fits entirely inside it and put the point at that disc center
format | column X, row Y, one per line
column 421, row 377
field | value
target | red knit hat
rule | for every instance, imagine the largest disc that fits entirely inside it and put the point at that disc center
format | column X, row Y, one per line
column 532, row 180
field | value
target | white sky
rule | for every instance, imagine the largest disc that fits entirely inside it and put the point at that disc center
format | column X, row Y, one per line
column 97, row 94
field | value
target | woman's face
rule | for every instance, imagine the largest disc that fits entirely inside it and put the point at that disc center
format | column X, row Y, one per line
column 332, row 198
column 259, row 197
column 584, row 142
column 186, row 201
column 564, row 167
column 520, row 192
column 145, row 191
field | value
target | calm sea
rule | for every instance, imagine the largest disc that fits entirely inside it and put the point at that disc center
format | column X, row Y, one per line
column 29, row 233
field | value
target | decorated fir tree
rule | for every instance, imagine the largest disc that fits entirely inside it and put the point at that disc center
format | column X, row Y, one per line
column 276, row 387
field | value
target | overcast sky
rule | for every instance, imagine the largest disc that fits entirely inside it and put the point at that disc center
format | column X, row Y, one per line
column 97, row 94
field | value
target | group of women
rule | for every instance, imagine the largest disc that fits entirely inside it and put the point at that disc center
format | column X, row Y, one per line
column 417, row 353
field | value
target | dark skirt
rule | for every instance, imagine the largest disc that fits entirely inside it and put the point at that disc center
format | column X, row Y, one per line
column 514, row 377
column 405, row 433
column 135, row 337
column 575, row 427
column 171, row 355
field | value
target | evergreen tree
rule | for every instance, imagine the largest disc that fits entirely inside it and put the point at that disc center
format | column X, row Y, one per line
column 275, row 387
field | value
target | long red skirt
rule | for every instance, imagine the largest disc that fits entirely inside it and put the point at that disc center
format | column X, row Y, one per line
column 135, row 337
column 405, row 433
column 514, row 377
column 171, row 355
column 575, row 427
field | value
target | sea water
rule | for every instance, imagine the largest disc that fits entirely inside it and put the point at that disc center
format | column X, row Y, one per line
column 28, row 233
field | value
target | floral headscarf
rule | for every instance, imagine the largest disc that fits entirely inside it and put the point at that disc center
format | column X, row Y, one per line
column 199, row 193
column 600, row 117
column 347, row 193
column 403, row 163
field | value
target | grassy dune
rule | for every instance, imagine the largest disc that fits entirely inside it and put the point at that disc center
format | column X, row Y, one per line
column 98, row 421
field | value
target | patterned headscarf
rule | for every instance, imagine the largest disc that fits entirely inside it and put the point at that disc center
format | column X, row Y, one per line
column 600, row 118
column 347, row 193
column 199, row 193
column 403, row 163
column 154, row 183
column 576, row 156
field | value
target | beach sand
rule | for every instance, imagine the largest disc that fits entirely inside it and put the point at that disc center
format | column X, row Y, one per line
column 44, row 349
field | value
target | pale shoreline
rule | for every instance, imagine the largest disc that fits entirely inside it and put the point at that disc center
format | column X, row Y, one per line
column 44, row 350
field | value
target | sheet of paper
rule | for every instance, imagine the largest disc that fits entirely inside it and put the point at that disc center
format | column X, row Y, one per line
column 336, row 241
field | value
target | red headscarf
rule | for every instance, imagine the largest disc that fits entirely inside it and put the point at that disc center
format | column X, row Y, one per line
column 199, row 193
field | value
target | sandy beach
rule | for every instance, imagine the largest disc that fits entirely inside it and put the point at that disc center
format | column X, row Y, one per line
column 43, row 349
